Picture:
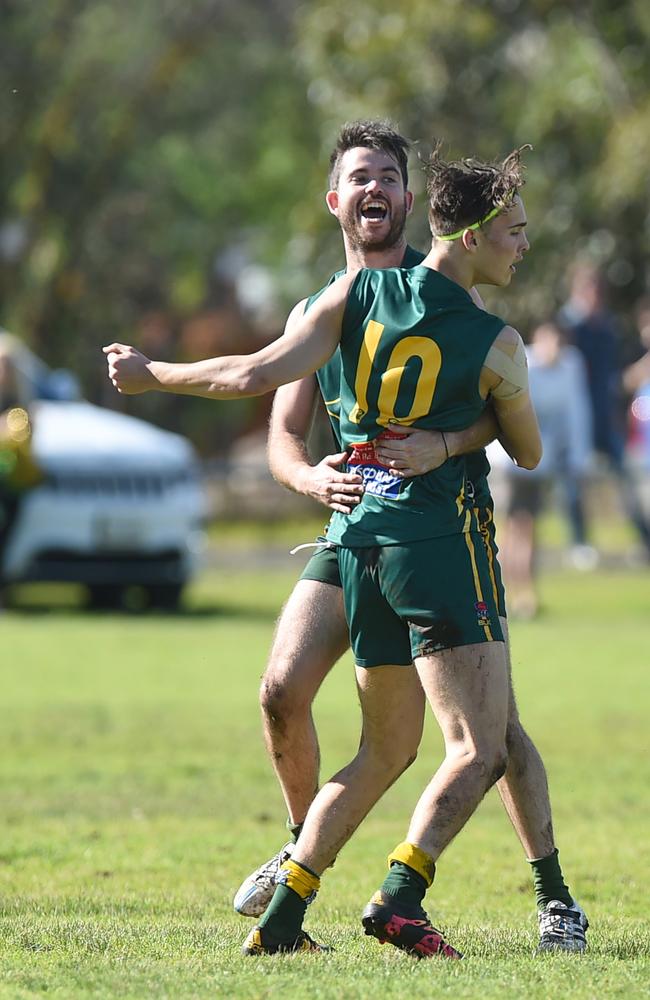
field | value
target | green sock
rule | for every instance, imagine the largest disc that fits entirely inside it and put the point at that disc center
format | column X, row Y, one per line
column 549, row 882
column 294, row 830
column 283, row 917
column 405, row 884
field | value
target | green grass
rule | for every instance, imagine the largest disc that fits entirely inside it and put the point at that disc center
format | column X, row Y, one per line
column 136, row 796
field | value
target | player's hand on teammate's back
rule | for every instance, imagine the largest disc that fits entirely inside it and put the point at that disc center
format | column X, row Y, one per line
column 416, row 452
column 128, row 369
column 337, row 490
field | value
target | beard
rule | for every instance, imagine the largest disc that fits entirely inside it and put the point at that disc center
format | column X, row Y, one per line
column 360, row 239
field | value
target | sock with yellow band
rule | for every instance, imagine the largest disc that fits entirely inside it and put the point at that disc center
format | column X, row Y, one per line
column 297, row 886
column 411, row 872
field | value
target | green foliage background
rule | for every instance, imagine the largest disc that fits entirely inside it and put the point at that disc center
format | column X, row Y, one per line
column 152, row 152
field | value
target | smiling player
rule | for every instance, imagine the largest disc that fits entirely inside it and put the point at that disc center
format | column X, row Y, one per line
column 491, row 247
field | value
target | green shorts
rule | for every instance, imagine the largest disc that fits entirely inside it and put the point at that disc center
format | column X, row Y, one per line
column 485, row 518
column 323, row 567
column 406, row 601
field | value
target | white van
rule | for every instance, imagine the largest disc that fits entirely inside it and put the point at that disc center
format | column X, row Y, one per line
column 121, row 504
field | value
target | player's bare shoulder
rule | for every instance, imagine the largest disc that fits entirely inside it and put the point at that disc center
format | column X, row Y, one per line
column 505, row 369
column 295, row 315
column 509, row 340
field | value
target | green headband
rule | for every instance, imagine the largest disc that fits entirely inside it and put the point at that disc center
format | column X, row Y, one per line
column 475, row 225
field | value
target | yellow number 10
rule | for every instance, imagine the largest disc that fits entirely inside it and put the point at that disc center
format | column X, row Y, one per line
column 408, row 347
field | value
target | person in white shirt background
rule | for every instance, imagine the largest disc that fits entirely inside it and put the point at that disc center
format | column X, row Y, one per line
column 558, row 386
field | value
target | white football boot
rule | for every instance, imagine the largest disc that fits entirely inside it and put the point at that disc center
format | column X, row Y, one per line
column 562, row 927
column 256, row 892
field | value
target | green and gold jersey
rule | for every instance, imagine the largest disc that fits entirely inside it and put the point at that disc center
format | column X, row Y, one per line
column 329, row 381
column 412, row 348
column 329, row 376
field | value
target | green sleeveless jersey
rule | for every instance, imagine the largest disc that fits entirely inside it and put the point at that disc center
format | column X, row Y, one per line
column 329, row 382
column 412, row 347
column 329, row 376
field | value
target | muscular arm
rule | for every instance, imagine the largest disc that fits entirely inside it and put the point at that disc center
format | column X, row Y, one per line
column 308, row 342
column 505, row 377
column 289, row 460
column 422, row 450
column 291, row 419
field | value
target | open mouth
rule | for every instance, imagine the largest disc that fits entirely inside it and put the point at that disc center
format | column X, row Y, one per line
column 374, row 211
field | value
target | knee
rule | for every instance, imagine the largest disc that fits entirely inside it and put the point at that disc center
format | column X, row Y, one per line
column 515, row 734
column 276, row 700
column 489, row 762
column 523, row 755
column 390, row 759
column 408, row 757
column 518, row 743
column 497, row 766
column 405, row 750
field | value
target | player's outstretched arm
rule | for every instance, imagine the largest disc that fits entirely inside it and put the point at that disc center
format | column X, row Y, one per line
column 505, row 378
column 307, row 344
column 421, row 451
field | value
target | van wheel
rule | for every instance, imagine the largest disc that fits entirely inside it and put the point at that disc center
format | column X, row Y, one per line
column 165, row 595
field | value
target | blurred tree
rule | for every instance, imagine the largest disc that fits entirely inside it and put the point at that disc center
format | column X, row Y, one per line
column 165, row 163
column 144, row 141
column 572, row 79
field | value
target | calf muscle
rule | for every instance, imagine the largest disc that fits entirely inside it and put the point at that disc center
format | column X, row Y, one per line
column 311, row 635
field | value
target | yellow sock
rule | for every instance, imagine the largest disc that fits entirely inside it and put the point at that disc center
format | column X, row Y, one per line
column 415, row 858
column 303, row 882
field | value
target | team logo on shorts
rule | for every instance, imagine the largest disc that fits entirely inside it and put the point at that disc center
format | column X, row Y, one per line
column 482, row 613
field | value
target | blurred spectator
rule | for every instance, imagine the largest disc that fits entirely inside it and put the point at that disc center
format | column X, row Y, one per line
column 17, row 468
column 595, row 333
column 558, row 387
column 636, row 381
column 637, row 375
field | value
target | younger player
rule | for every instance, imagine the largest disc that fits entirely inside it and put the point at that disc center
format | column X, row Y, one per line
column 487, row 255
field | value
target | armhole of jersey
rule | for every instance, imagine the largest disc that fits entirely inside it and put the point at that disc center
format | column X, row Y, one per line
column 355, row 305
column 489, row 347
column 315, row 297
column 310, row 301
column 494, row 335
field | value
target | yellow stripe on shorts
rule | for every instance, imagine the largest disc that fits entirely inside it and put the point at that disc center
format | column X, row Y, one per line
column 477, row 581
column 482, row 527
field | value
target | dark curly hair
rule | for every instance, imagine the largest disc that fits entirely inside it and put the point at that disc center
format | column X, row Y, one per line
column 462, row 192
column 376, row 133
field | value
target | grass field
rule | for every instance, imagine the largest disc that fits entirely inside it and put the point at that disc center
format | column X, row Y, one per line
column 135, row 796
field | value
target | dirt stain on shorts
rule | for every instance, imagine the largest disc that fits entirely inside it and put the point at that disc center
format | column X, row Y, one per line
column 429, row 637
